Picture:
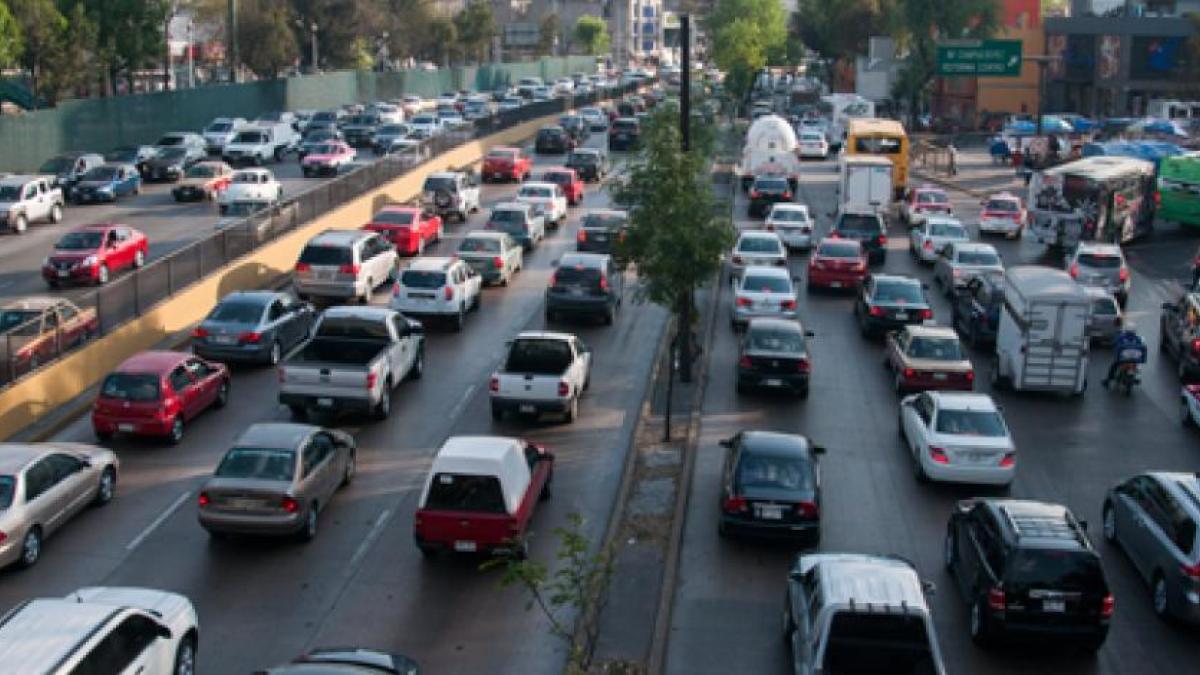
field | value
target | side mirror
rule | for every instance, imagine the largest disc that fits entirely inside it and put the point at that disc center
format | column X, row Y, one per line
column 162, row 631
column 725, row 443
column 1083, row 525
column 817, row 449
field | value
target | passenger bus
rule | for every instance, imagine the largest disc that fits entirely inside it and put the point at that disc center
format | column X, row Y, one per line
column 885, row 138
column 1109, row 199
column 1179, row 190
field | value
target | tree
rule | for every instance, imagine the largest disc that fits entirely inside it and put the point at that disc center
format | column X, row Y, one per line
column 266, row 39
column 11, row 44
column 745, row 36
column 130, row 35
column 922, row 23
column 41, row 26
column 443, row 37
column 548, row 34
column 408, row 27
column 476, row 25
column 592, row 33
column 70, row 64
column 840, row 29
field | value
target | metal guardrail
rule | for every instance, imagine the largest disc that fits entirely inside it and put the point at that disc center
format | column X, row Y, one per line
column 65, row 325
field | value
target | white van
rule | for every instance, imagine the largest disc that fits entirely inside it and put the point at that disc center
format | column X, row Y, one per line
column 1042, row 342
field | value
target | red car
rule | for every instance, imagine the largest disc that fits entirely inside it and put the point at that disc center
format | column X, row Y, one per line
column 837, row 263
column 506, row 163
column 409, row 228
column 568, row 180
column 92, row 253
column 156, row 393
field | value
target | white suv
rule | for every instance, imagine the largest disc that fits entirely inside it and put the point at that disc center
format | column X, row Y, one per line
column 441, row 287
column 345, row 264
column 101, row 630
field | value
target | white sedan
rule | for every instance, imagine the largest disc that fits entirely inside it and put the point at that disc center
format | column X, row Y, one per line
column 813, row 144
column 926, row 241
column 957, row 437
column 792, row 223
column 962, row 261
column 251, row 185
column 755, row 247
column 548, row 197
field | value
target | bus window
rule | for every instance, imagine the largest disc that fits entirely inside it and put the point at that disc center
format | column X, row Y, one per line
column 877, row 145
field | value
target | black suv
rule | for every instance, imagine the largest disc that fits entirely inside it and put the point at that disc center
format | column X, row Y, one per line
column 1027, row 568
column 553, row 140
column 625, row 133
column 866, row 227
column 590, row 163
column 768, row 190
column 601, row 230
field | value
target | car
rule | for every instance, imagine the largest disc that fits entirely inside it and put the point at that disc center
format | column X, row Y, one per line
column 254, row 326
column 480, row 495
column 927, row 239
column 107, row 183
column 476, row 108
column 595, row 119
column 451, row 193
column 409, row 152
column 92, row 253
column 43, row 486
column 425, row 125
column 762, row 291
column 157, row 393
column 975, row 310
column 543, row 93
column 314, row 138
column 888, row 302
column 590, row 163
column 553, row 140
column 411, row 104
column 275, row 480
column 388, row 113
column 1027, row 568
column 440, row 287
column 203, row 180
column 765, row 192
column 408, row 228
column 359, row 130
column 327, row 159
column 1101, row 265
column 136, row 155
column 29, row 199
column 250, row 185
column 1106, row 319
column 959, row 262
column 220, row 131
column 756, row 247
column 568, row 180
column 510, row 103
column 1153, row 517
column 928, row 357
column 576, row 127
column 66, row 169
column 601, row 230
column 922, row 202
column 858, row 613
column 1179, row 335
column 812, row 144
column 343, row 264
column 346, row 661
column 102, row 630
column 522, row 221
column 585, row 284
column 866, row 227
column 506, row 163
column 542, row 372
column 35, row 329
column 496, row 256
column 259, row 143
column 1002, row 213
column 169, row 165
column 624, row 133
column 194, row 145
column 771, row 487
column 792, row 223
column 547, row 198
column 387, row 135
column 837, row 264
column 773, row 354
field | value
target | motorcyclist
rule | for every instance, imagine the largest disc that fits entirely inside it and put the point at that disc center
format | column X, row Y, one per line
column 1128, row 348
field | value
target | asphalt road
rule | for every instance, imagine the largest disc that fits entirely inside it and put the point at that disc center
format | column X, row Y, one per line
column 362, row 581
column 728, row 604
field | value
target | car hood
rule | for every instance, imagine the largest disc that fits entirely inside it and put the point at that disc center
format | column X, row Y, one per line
column 95, row 184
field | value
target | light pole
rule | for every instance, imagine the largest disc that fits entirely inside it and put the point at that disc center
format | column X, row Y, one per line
column 1042, row 61
column 191, row 56
column 312, row 27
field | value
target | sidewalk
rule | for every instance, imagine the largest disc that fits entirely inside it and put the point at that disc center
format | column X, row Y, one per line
column 978, row 175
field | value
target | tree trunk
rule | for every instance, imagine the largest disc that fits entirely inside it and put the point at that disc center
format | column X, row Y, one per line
column 684, row 331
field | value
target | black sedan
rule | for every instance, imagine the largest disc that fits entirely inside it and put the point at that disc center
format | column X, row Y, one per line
column 553, row 140
column 889, row 301
column 768, row 190
column 771, row 487
column 136, row 155
column 347, row 661
column 168, row 165
column 591, row 164
column 774, row 355
column 975, row 311
column 257, row 326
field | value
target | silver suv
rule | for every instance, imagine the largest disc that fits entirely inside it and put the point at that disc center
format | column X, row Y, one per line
column 345, row 264
column 1102, row 266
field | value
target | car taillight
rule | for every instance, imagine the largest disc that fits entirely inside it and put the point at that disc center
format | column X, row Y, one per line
column 734, row 505
column 494, row 384
column 396, row 289
column 448, row 293
column 203, row 499
column 744, row 302
column 581, row 237
column 882, row 239
column 927, row 313
column 1074, row 271
column 803, row 366
column 745, row 362
column 938, row 455
column 770, row 227
column 303, row 267
column 564, row 389
column 1009, row 460
column 995, row 599
column 290, row 505
column 372, row 378
column 200, row 333
column 909, row 372
column 3, row 537
column 787, row 195
column 737, row 260
column 1196, row 346
column 754, row 194
column 787, row 304
column 1192, row 571
column 969, row 376
column 807, row 509
column 1123, row 275
column 349, row 269
column 250, row 337
column 834, row 235
column 1107, row 605
column 875, row 311
column 928, row 245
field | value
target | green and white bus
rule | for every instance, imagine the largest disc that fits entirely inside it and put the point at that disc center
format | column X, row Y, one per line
column 1179, row 190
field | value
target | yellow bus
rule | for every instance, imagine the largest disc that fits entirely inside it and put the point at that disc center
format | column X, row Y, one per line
column 886, row 138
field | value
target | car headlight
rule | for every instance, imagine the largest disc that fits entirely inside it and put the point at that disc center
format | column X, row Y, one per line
column 45, row 262
column 89, row 261
column 107, row 189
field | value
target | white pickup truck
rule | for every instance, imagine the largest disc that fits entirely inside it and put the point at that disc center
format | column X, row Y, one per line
column 29, row 199
column 259, row 143
column 543, row 372
column 356, row 356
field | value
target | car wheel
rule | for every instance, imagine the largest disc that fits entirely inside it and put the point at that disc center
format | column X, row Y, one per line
column 457, row 321
column 185, row 657
column 978, row 623
column 948, row 551
column 1109, row 523
column 384, row 407
column 1158, row 596
column 351, row 467
column 427, row 551
column 56, row 214
column 222, row 395
column 20, row 224
column 139, row 259
column 309, row 531
column 106, row 487
column 275, row 354
column 497, row 413
column 175, row 435
column 103, row 436
column 102, row 275
column 609, row 316
column 1185, row 413
column 418, row 367
column 31, row 547
column 477, row 301
column 572, row 410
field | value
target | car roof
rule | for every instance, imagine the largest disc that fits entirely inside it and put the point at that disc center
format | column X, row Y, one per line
column 931, row 331
column 945, row 220
column 544, row 335
column 153, row 361
column 432, row 263
column 840, row 242
column 33, row 302
column 444, row 174
column 505, row 206
column 1005, row 196
column 757, row 234
column 1186, row 483
column 340, row 237
column 791, row 207
column 964, row 400
column 766, row 271
column 975, row 246
column 485, row 234
column 60, row 626
column 282, row 435
column 774, row 323
column 15, row 456
column 775, row 443
column 539, row 184
column 895, row 279
column 853, row 580
column 1042, row 524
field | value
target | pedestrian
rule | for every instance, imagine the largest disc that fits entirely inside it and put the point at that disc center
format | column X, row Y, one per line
column 953, row 154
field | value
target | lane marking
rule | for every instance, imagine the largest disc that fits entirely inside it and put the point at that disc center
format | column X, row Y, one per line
column 372, row 535
column 162, row 517
column 462, row 402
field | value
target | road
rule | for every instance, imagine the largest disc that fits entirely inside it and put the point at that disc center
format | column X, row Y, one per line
column 362, row 581
column 728, row 603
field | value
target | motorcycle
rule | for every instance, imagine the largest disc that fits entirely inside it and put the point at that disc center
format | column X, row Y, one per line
column 1126, row 377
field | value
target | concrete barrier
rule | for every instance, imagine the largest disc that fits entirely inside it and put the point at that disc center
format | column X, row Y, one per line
column 57, row 384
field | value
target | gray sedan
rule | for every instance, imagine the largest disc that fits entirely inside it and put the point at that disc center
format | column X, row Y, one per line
column 275, row 480
column 259, row 326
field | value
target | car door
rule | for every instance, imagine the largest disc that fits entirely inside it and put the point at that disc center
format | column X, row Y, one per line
column 918, row 417
column 967, row 553
column 327, row 472
column 276, row 324
column 1161, row 533
column 404, row 351
column 41, row 202
column 207, row 380
column 134, row 646
column 72, row 477
column 291, row 325
column 190, row 396
column 42, row 503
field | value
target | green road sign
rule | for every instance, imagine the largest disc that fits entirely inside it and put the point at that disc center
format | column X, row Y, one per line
column 979, row 58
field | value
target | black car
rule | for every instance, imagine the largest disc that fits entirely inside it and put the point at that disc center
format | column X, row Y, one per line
column 768, row 190
column 866, row 227
column 625, row 133
column 359, row 130
column 346, row 661
column 888, row 301
column 136, row 155
column 774, row 355
column 975, row 310
column 600, row 230
column 591, row 164
column 553, row 140
column 168, row 165
column 771, row 487
column 576, row 126
column 585, row 284
column 1027, row 568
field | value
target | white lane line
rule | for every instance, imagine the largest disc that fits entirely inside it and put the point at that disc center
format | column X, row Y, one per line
column 376, row 530
column 454, row 412
column 158, row 521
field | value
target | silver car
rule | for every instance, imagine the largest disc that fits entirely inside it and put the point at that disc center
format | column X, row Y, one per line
column 961, row 261
column 276, row 479
column 763, row 291
column 1106, row 319
column 42, row 485
column 1153, row 517
column 340, row 264
column 756, row 247
column 1103, row 266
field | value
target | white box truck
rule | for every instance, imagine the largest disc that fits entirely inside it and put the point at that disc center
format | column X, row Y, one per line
column 864, row 182
column 1042, row 342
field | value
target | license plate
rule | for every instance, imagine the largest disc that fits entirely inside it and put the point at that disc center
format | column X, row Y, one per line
column 1054, row 606
column 835, row 284
column 465, row 546
column 769, row 511
column 325, row 402
column 242, row 503
column 527, row 408
column 63, row 274
column 939, row 376
column 600, row 237
column 902, row 315
column 497, row 175
column 576, row 291
column 224, row 339
column 125, row 427
column 773, row 382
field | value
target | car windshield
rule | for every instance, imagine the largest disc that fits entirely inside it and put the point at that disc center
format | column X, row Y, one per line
column 932, row 198
column 772, row 472
column 237, row 312
column 10, row 193
column 953, row 230
column 1104, row 306
column 422, row 279
column 167, row 141
column 774, row 340
column 789, row 216
column 8, row 487
column 424, row 119
column 202, row 171
column 839, row 249
column 57, row 165
column 80, row 241
column 258, row 463
column 326, row 255
column 1099, row 261
column 625, row 125
column 765, row 284
column 219, row 127
column 479, row 245
column 100, row 173
column 811, row 137
column 324, row 116
column 171, row 154
column 864, row 643
column 394, row 218
column 773, row 185
column 435, row 183
column 13, row 318
column 458, row 492
column 1002, row 205
column 245, row 177
column 978, row 258
column 536, row 192
column 319, row 136
column 936, row 348
column 560, row 177
column 550, row 133
column 759, row 245
column 141, row 387
column 251, row 137
column 971, row 423
column 858, row 223
column 1056, row 569
column 361, row 120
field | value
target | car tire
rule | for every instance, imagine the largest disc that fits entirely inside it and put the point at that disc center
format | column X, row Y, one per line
column 175, row 435
column 273, row 357
column 572, row 411
column 977, row 624
column 351, row 468
column 185, row 656
column 899, row 383
column 609, row 316
column 427, row 552
column 309, row 531
column 545, row 494
column 103, row 436
column 475, row 304
column 418, row 366
column 384, row 407
column 56, row 214
column 457, row 320
column 102, row 275
column 106, row 488
column 31, row 548
column 497, row 413
column 222, row 399
column 918, row 468
column 1159, row 600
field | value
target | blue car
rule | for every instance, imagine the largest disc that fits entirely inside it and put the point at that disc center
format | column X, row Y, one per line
column 107, row 183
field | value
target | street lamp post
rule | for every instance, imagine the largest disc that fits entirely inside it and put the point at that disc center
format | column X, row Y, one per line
column 312, row 27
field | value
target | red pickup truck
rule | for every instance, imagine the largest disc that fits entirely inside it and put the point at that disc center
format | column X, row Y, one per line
column 506, row 164
column 480, row 495
column 568, row 180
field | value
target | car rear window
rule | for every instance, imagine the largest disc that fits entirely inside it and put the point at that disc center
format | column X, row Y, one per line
column 1002, row 205
column 773, row 340
column 1056, row 569
column 789, row 216
column 947, row 230
column 839, row 249
column 759, row 245
column 978, row 258
column 858, row 223
column 771, row 184
column 625, row 125
column 539, row 357
column 251, row 137
column 577, row 276
column 459, row 492
column 479, row 245
column 1099, row 260
column 506, row 155
column 422, row 279
column 507, row 216
column 970, row 423
column 237, row 312
column 766, row 284
column 899, row 292
column 607, row 221
column 1104, row 306
column 326, row 255
column 560, row 177
column 937, row 348
column 393, row 218
column 863, row 643
column 932, row 198
column 772, row 472
column 536, row 192
column 258, row 463
column 131, row 387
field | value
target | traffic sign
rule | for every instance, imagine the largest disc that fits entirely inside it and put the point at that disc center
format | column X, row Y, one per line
column 979, row 58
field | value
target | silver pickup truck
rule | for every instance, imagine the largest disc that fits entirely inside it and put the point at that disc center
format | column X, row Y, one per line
column 356, row 356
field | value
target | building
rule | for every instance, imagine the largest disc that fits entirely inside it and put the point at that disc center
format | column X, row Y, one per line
column 875, row 74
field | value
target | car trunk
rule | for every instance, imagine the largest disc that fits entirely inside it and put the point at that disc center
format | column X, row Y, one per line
column 1047, row 588
column 246, row 496
column 776, row 363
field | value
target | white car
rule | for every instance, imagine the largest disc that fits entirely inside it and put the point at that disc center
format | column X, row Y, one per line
column 411, row 105
column 387, row 113
column 960, row 262
column 1002, row 214
column 564, row 85
column 763, row 291
column 220, row 131
column 957, row 437
column 595, row 118
column 425, row 125
column 29, row 199
column 438, row 287
column 548, row 197
column 251, row 185
column 756, row 247
column 792, row 223
column 926, row 241
column 813, row 144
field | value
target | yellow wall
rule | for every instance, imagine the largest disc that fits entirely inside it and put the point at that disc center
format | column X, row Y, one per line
column 57, row 384
column 1004, row 94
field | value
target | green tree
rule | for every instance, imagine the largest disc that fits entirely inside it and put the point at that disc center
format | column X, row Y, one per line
column 443, row 38
column 839, row 29
column 476, row 25
column 592, row 33
column 547, row 34
column 408, row 26
column 746, row 35
column 41, row 26
column 130, row 35
column 70, row 64
column 266, row 39
column 11, row 44
column 922, row 23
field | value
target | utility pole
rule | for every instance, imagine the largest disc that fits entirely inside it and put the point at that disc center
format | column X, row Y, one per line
column 231, row 36
column 685, row 81
column 314, row 47
column 191, row 49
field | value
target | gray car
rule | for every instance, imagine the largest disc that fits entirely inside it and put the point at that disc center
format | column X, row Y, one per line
column 276, row 479
column 1153, row 517
column 259, row 326
column 1106, row 318
column 42, row 486
column 1102, row 266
